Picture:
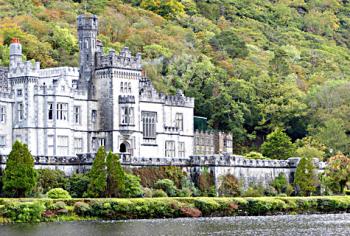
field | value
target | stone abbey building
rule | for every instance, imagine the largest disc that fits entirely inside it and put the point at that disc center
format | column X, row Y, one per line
column 64, row 111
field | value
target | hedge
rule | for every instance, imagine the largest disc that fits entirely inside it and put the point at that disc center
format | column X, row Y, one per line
column 38, row 210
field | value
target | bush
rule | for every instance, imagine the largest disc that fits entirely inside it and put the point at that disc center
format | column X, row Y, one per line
column 77, row 185
column 253, row 192
column 347, row 192
column 133, row 187
column 24, row 211
column 229, row 186
column 255, row 155
column 205, row 182
column 82, row 208
column 49, row 179
column 147, row 192
column 58, row 193
column 207, row 206
column 159, row 193
column 167, row 186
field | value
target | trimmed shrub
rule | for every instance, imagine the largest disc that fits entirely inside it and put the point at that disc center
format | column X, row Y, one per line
column 167, row 186
column 159, row 193
column 58, row 193
column 206, row 205
column 82, row 209
column 147, row 192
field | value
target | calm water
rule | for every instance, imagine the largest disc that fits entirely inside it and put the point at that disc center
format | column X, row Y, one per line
column 268, row 225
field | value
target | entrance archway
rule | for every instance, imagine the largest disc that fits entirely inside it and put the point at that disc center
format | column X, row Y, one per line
column 124, row 147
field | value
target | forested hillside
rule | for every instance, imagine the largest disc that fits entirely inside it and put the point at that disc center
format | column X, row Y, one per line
column 252, row 65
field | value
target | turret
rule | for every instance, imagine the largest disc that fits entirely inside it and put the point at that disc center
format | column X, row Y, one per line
column 15, row 52
column 87, row 34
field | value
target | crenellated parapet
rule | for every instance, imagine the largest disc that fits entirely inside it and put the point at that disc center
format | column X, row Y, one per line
column 26, row 68
column 149, row 94
column 59, row 71
column 123, row 60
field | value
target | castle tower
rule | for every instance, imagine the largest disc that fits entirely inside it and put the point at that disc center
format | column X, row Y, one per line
column 87, row 34
column 15, row 52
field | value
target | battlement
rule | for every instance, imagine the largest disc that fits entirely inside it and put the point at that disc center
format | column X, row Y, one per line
column 59, row 71
column 123, row 60
column 87, row 22
column 26, row 68
column 149, row 94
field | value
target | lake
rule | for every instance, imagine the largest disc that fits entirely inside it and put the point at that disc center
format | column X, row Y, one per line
column 338, row 224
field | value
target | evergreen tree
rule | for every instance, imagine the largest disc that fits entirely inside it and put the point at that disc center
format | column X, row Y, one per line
column 278, row 145
column 19, row 177
column 305, row 180
column 98, row 175
column 115, row 176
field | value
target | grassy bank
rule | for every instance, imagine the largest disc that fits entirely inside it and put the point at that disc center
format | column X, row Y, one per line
column 38, row 210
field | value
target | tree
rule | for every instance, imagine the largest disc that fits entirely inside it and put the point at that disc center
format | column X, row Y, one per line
column 278, row 145
column 333, row 135
column 337, row 172
column 166, row 8
column 281, row 184
column 19, row 177
column 309, row 152
column 115, row 176
column 98, row 175
column 230, row 186
column 305, row 180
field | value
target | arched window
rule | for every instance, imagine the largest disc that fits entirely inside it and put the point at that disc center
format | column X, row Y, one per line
column 121, row 87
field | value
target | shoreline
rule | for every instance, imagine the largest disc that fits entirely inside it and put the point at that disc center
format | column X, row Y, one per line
column 35, row 210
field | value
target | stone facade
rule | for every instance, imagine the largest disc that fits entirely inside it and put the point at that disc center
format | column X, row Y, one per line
column 66, row 111
column 212, row 142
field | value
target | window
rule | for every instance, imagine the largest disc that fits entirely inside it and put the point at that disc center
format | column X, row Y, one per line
column 19, row 92
column 127, row 115
column 169, row 149
column 78, row 145
column 179, row 121
column 93, row 116
column 20, row 112
column 62, row 145
column 2, row 140
column 63, row 88
column 50, row 111
column 62, row 111
column 121, row 87
column 94, row 144
column 181, row 149
column 50, row 145
column 77, row 114
column 129, row 87
column 149, row 120
column 2, row 114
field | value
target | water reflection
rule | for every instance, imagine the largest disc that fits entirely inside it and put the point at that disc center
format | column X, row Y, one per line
column 268, row 225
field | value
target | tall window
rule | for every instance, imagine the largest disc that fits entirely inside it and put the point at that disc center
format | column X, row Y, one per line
column 77, row 114
column 78, row 145
column 93, row 116
column 129, row 87
column 50, row 111
column 127, row 115
column 2, row 114
column 179, row 121
column 20, row 111
column 62, row 111
column 181, row 149
column 50, row 145
column 62, row 145
column 19, row 92
column 149, row 120
column 2, row 140
column 169, row 148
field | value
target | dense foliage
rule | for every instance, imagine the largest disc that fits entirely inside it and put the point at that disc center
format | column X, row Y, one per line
column 252, row 66
column 278, row 145
column 19, row 178
column 121, row 209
